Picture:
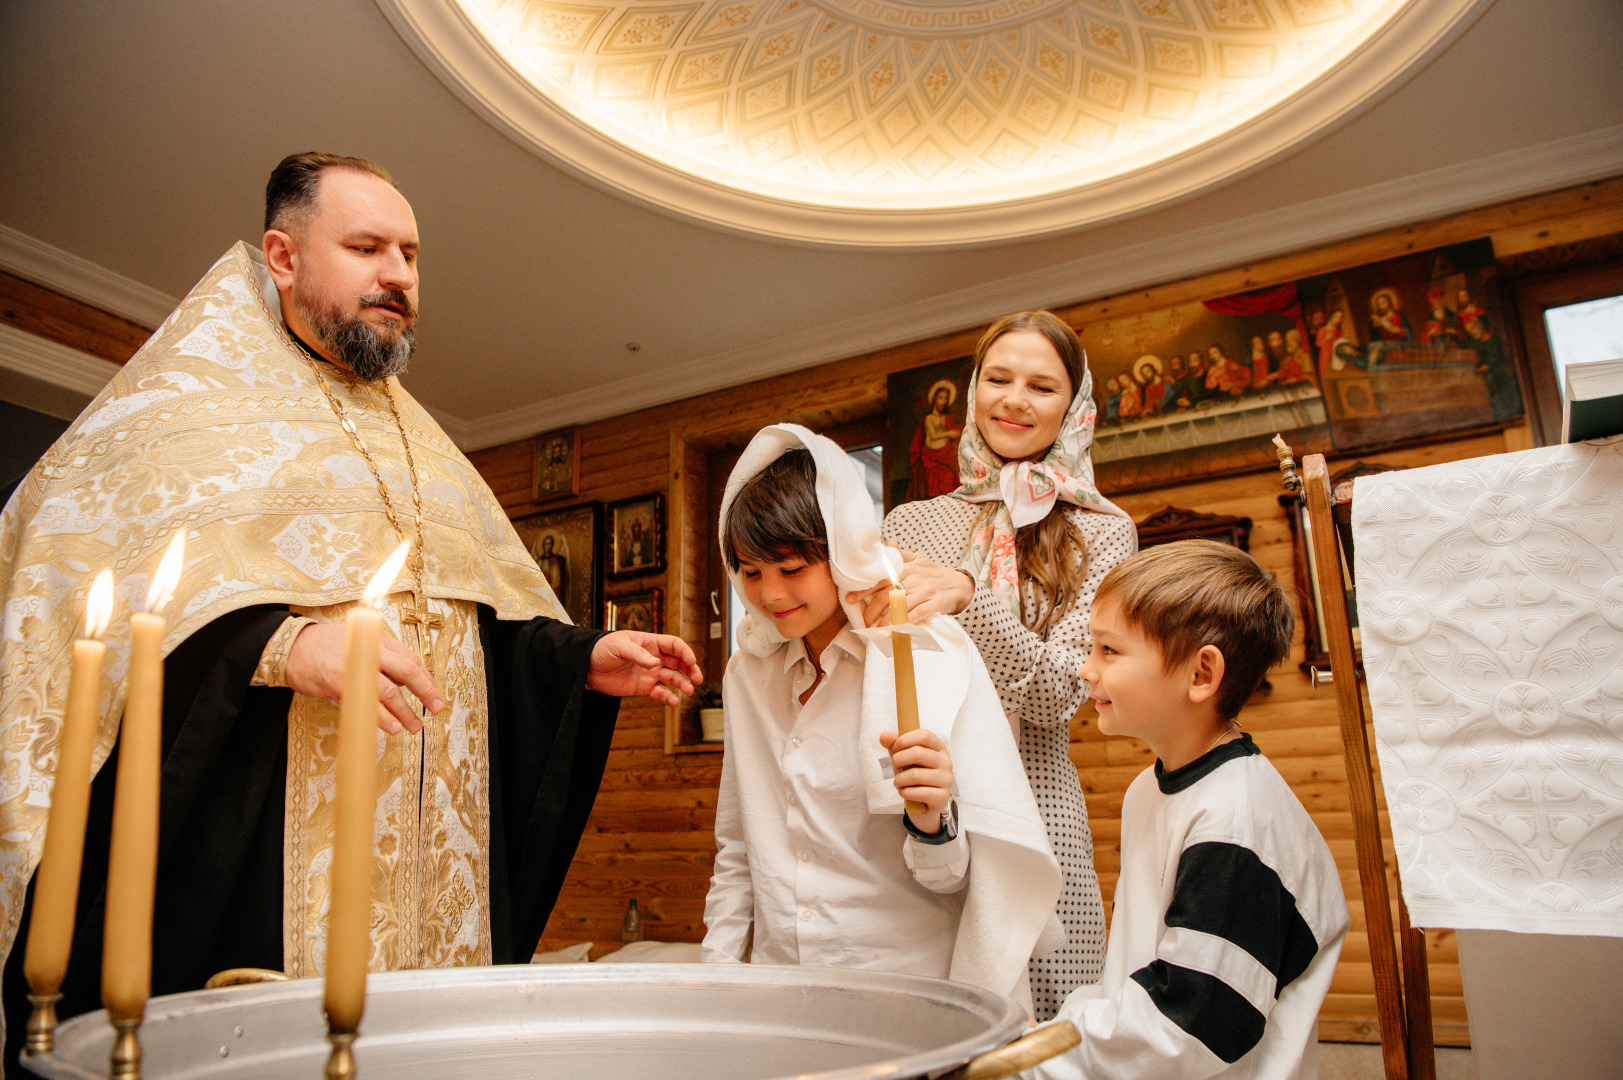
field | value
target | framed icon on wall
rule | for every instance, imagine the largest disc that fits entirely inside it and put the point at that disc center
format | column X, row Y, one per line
column 557, row 466
column 567, row 545
column 636, row 539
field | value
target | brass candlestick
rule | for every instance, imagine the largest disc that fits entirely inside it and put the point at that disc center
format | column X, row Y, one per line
column 341, row 1062
column 126, row 1056
column 1287, row 465
column 42, row 1024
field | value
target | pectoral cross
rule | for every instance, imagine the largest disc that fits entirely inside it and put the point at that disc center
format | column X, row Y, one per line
column 424, row 620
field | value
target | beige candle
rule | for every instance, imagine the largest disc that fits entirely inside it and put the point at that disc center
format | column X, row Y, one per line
column 132, row 862
column 901, row 647
column 349, row 940
column 56, row 887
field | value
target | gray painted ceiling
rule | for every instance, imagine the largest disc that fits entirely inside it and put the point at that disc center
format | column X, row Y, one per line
column 139, row 136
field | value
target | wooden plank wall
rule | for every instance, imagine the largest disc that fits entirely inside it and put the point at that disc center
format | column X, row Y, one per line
column 650, row 833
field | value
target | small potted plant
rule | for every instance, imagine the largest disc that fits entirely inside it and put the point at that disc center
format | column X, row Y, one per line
column 710, row 712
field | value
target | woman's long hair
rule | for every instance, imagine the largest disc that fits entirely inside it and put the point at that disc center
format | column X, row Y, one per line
column 1051, row 552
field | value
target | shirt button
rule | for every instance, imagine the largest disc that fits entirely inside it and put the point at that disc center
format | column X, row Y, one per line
column 805, row 856
column 805, row 916
column 794, row 744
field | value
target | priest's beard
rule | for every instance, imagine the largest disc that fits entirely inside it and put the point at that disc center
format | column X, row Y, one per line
column 369, row 353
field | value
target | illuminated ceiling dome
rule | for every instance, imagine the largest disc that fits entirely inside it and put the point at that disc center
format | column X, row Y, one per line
column 918, row 123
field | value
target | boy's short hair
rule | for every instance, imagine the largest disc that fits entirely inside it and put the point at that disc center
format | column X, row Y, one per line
column 776, row 516
column 1194, row 593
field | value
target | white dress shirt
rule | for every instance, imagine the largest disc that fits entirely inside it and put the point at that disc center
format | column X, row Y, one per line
column 800, row 859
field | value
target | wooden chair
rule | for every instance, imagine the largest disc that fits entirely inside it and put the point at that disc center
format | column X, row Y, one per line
column 1402, row 998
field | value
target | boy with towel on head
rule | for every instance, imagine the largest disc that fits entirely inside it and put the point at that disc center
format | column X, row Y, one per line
column 817, row 856
column 1229, row 915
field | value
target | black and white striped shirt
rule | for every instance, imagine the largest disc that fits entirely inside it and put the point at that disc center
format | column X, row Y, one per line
column 1227, row 923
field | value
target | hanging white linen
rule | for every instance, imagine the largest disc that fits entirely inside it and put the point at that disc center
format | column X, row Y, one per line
column 1490, row 593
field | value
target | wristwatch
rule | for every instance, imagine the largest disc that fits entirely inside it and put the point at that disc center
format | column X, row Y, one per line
column 948, row 831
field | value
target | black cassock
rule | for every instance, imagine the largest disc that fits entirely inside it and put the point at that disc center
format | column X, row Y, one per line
column 219, row 895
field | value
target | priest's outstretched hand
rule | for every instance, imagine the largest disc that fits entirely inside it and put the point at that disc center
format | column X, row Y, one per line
column 628, row 663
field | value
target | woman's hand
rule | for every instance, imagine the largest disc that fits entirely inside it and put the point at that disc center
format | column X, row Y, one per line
column 923, row 772
column 930, row 587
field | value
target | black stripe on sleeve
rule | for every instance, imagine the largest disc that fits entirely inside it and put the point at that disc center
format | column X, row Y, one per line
column 1227, row 891
column 1205, row 1006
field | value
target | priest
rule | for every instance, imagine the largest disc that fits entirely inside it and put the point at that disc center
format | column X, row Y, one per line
column 265, row 419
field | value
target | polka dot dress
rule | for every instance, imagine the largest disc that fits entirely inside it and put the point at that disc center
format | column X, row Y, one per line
column 1040, row 683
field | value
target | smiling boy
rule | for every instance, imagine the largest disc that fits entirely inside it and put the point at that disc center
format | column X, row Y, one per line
column 819, row 880
column 818, row 860
column 1229, row 914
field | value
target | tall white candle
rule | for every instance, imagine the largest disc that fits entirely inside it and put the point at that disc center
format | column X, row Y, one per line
column 132, row 862
column 56, row 885
column 901, row 648
column 349, row 940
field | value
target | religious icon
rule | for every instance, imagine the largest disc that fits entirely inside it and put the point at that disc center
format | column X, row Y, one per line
column 564, row 544
column 643, row 611
column 925, row 418
column 557, row 465
column 1356, row 360
column 934, row 454
column 553, row 559
column 1432, row 357
column 637, row 536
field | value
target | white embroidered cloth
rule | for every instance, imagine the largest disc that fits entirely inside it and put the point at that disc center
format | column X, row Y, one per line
column 1490, row 593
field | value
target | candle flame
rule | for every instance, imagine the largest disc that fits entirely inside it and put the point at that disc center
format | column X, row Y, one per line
column 893, row 562
column 168, row 573
column 99, row 604
column 379, row 587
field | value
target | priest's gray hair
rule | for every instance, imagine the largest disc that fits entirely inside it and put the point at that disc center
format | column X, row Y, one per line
column 290, row 194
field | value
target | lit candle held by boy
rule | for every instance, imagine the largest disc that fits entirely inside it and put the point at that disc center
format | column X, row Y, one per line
column 901, row 647
column 349, row 940
column 132, row 861
column 56, row 886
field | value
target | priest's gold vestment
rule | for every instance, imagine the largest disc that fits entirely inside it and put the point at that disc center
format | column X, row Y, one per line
column 219, row 426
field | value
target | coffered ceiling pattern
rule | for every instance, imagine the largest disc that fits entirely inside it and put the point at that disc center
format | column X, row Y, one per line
column 913, row 103
column 915, row 124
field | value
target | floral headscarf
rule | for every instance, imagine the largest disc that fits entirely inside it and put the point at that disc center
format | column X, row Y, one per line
column 1026, row 490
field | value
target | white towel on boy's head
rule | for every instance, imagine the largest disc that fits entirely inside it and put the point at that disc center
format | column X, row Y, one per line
column 1014, row 879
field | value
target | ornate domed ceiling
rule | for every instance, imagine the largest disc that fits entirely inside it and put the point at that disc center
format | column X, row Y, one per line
column 918, row 122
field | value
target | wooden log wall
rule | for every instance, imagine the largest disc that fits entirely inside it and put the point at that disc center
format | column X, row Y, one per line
column 70, row 322
column 650, row 832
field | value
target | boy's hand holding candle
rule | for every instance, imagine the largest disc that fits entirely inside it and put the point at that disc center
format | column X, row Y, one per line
column 923, row 775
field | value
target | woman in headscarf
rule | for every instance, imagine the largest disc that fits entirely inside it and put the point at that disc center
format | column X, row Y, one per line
column 1015, row 554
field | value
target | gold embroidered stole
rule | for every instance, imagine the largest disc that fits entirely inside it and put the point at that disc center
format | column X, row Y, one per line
column 431, row 884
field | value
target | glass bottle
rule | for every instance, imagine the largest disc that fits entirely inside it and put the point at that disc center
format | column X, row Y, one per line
column 631, row 925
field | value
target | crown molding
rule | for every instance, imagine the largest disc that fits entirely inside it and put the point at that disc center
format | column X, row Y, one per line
column 1299, row 110
column 83, row 280
column 52, row 362
column 1409, row 200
